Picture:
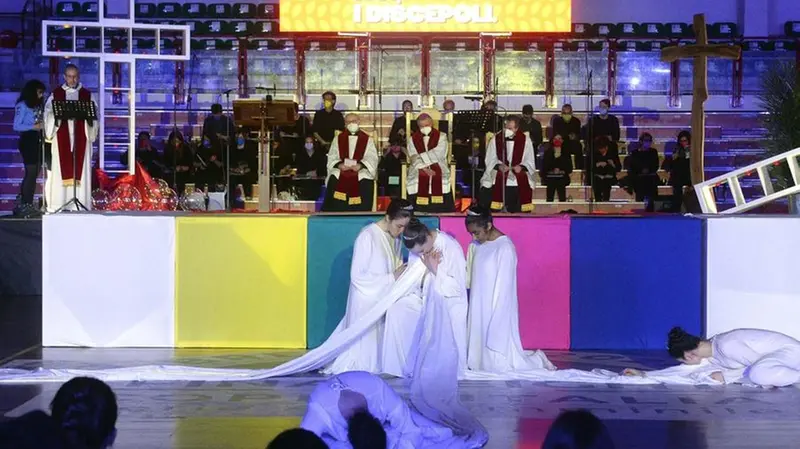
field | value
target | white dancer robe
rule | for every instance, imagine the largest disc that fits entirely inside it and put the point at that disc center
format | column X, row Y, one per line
column 376, row 256
column 403, row 318
column 405, row 427
column 494, row 340
column 758, row 357
column 56, row 193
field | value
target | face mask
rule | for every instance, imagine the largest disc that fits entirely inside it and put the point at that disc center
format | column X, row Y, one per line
column 566, row 117
column 309, row 146
column 352, row 127
column 647, row 144
column 685, row 145
column 509, row 133
column 240, row 142
column 603, row 111
column 206, row 143
column 425, row 130
column 328, row 104
column 557, row 143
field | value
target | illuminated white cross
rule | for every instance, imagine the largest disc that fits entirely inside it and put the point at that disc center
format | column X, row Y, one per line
column 124, row 56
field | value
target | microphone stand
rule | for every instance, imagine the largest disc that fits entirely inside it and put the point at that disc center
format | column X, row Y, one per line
column 590, row 132
column 226, row 163
column 42, row 154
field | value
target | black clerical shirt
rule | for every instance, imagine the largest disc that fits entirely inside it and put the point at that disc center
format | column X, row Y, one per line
column 327, row 123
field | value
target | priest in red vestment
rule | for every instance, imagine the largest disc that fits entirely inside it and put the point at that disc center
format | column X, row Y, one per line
column 352, row 168
column 428, row 180
column 67, row 136
column 507, row 182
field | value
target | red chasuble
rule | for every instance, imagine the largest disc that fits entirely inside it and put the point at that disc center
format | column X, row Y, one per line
column 525, row 190
column 68, row 175
column 430, row 188
column 347, row 187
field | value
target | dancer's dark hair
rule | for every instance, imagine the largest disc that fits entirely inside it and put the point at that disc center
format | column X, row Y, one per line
column 34, row 430
column 679, row 341
column 685, row 134
column 30, row 93
column 297, row 439
column 479, row 216
column 400, row 208
column 364, row 431
column 416, row 233
column 578, row 429
column 86, row 410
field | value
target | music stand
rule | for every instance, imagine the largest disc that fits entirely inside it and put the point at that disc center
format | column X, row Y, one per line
column 264, row 114
column 75, row 110
column 475, row 123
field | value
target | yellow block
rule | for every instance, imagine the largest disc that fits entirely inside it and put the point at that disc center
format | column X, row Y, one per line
column 245, row 432
column 241, row 282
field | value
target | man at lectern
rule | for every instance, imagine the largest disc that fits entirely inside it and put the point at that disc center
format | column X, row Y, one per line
column 352, row 167
column 71, row 146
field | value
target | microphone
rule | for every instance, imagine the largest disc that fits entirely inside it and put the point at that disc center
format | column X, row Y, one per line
column 226, row 92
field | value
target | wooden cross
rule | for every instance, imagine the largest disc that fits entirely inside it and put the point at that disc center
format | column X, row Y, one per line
column 700, row 52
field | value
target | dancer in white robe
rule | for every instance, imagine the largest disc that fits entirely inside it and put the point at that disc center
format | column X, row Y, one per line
column 377, row 263
column 64, row 137
column 494, row 340
column 336, row 399
column 747, row 356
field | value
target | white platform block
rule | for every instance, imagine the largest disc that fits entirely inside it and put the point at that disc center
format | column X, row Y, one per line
column 108, row 280
column 752, row 276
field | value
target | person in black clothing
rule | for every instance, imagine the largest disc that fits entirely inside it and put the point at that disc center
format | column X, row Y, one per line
column 397, row 136
column 643, row 171
column 293, row 137
column 327, row 121
column 603, row 170
column 311, row 164
column 678, row 166
column 604, row 125
column 209, row 165
column 179, row 160
column 569, row 127
column 531, row 126
column 556, row 169
column 244, row 163
column 390, row 170
column 28, row 123
column 147, row 156
column 218, row 127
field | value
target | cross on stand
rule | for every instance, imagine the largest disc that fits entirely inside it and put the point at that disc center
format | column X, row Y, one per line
column 700, row 52
column 124, row 56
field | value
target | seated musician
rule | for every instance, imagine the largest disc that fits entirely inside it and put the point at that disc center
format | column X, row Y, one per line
column 428, row 183
column 510, row 165
column 311, row 165
column 352, row 167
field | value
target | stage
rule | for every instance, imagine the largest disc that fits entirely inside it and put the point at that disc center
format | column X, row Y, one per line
column 199, row 415
column 280, row 281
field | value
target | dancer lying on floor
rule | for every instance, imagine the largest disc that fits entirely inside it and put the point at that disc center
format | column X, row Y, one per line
column 335, row 400
column 747, row 356
column 494, row 341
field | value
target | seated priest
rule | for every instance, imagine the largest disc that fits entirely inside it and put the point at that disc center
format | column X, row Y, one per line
column 507, row 183
column 428, row 181
column 352, row 168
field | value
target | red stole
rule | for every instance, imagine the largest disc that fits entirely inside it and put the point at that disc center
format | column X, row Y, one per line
column 68, row 175
column 347, row 187
column 524, row 187
column 430, row 187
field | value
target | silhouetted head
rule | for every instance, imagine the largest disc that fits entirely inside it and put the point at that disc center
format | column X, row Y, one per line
column 417, row 237
column 216, row 109
column 398, row 214
column 32, row 94
column 527, row 111
column 601, row 144
column 86, row 410
column 364, row 431
column 479, row 223
column 297, row 439
column 490, row 105
column 684, row 139
column 407, row 106
column 646, row 141
column 685, row 347
column 578, row 429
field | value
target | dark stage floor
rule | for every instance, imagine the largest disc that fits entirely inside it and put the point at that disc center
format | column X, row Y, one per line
column 201, row 415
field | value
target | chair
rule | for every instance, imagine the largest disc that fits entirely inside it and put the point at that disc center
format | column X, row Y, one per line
column 244, row 11
column 90, row 10
column 267, row 11
column 219, row 11
column 265, row 27
column 374, row 182
column 68, row 9
column 145, row 11
column 170, row 10
column 194, row 10
column 436, row 116
column 242, row 28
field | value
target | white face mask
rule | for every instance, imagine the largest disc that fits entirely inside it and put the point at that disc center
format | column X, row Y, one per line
column 309, row 146
column 425, row 130
column 352, row 127
column 509, row 133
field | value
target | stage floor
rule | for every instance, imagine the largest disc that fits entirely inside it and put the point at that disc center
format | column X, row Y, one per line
column 199, row 415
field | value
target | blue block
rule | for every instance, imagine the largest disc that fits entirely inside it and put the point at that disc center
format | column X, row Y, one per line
column 635, row 278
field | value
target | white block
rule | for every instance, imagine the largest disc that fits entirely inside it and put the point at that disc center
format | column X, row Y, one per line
column 752, row 277
column 108, row 280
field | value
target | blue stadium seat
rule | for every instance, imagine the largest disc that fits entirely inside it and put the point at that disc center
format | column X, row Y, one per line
column 675, row 29
column 242, row 28
column 268, row 11
column 170, row 10
column 69, row 9
column 628, row 29
column 606, row 30
column 723, row 30
column 219, row 11
column 146, row 11
column 194, row 10
column 585, row 30
column 652, row 29
column 792, row 29
column 244, row 11
column 265, row 28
